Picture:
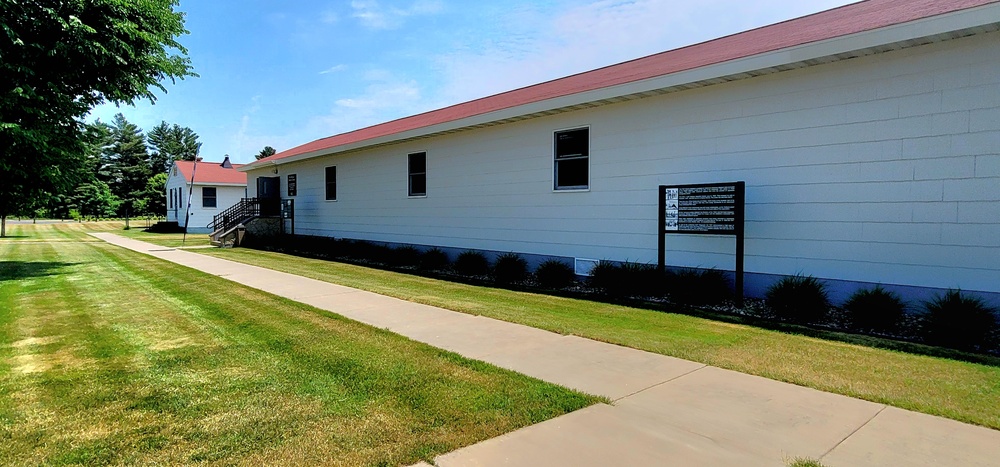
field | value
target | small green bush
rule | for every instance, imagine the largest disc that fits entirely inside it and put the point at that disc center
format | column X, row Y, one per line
column 875, row 310
column 606, row 277
column 510, row 268
column 433, row 260
column 628, row 279
column 472, row 263
column 960, row 322
column 404, row 256
column 555, row 274
column 798, row 299
column 362, row 250
column 699, row 287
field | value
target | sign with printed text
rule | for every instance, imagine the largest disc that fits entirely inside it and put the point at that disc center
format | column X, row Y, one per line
column 703, row 209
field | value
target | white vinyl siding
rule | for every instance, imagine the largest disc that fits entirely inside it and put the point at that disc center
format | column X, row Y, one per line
column 881, row 168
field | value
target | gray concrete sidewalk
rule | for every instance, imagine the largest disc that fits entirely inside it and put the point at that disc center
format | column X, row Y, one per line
column 666, row 411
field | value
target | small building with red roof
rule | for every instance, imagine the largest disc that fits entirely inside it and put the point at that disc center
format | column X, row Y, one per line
column 868, row 138
column 211, row 186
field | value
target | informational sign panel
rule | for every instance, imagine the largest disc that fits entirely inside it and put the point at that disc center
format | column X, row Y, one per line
column 704, row 209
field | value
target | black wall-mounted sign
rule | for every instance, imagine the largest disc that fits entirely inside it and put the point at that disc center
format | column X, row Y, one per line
column 292, row 185
column 704, row 209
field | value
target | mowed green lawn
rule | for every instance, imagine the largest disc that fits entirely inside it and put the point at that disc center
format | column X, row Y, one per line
column 964, row 391
column 110, row 356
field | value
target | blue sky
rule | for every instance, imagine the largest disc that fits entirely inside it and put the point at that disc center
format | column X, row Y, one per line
column 283, row 73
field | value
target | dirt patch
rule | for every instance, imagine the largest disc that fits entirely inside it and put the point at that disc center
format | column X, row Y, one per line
column 170, row 344
column 35, row 341
column 37, row 363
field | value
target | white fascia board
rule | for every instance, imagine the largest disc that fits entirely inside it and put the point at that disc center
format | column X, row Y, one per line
column 201, row 183
column 956, row 21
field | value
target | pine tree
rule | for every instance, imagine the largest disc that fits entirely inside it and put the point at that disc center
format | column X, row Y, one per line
column 268, row 151
column 171, row 143
column 127, row 164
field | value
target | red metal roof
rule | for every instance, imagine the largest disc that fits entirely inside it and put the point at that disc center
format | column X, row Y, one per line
column 212, row 172
column 850, row 19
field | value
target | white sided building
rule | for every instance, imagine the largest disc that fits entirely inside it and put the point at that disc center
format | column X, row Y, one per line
column 217, row 186
column 868, row 138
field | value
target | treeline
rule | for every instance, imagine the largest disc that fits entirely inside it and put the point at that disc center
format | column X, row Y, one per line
column 123, row 172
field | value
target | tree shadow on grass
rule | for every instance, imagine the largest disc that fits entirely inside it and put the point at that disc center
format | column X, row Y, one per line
column 5, row 237
column 13, row 270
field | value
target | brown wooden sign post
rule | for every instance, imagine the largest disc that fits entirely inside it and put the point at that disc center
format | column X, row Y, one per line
column 704, row 209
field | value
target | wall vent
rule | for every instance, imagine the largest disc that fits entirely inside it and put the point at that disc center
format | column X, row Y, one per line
column 583, row 266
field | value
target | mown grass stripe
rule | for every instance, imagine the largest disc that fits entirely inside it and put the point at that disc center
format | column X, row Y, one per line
column 157, row 363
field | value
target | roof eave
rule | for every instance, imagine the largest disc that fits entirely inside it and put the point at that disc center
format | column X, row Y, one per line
column 933, row 29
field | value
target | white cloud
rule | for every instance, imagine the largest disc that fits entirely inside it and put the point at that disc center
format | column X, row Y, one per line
column 543, row 45
column 329, row 17
column 334, row 69
column 530, row 44
column 385, row 97
column 373, row 15
column 240, row 140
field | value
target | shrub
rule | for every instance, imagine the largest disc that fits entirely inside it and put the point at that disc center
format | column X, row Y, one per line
column 642, row 279
column 606, row 278
column 798, row 299
column 357, row 249
column 433, row 260
column 875, row 310
column 404, row 256
column 700, row 287
column 625, row 280
column 472, row 263
column 555, row 274
column 960, row 322
column 510, row 268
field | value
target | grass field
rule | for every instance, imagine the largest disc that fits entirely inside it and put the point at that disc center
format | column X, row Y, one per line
column 851, row 365
column 112, row 357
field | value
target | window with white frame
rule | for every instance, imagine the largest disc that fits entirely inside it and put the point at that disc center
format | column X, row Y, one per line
column 417, row 170
column 331, row 183
column 572, row 159
column 208, row 197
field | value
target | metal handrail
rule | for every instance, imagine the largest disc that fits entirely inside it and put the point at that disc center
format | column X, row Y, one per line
column 235, row 214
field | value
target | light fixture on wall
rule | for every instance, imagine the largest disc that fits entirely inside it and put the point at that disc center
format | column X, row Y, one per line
column 274, row 170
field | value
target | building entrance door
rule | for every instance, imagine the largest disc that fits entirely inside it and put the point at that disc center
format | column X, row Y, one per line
column 268, row 192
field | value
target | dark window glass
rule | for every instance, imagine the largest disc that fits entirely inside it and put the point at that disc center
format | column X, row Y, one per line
column 208, row 199
column 417, row 174
column 572, row 154
column 331, row 183
column 292, row 185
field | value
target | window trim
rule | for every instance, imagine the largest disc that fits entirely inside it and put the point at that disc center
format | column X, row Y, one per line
column 215, row 198
column 327, row 183
column 555, row 161
column 409, row 175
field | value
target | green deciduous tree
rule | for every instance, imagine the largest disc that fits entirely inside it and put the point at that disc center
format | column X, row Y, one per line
column 268, row 151
column 156, row 195
column 94, row 199
column 60, row 58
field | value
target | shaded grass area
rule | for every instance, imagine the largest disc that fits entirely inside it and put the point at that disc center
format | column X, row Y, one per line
column 110, row 356
column 852, row 365
column 171, row 240
column 72, row 231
